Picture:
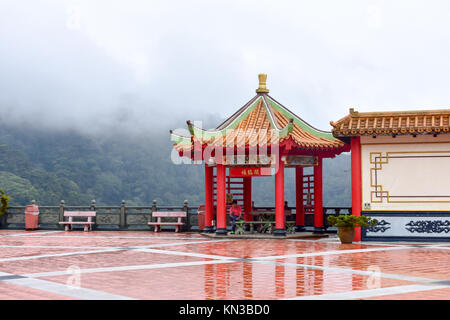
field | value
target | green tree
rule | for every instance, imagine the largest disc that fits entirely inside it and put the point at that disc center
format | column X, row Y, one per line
column 4, row 200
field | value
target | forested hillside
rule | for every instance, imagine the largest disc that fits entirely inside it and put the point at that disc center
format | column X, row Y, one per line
column 53, row 165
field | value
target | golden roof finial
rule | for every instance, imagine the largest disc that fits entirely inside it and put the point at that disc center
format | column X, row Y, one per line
column 262, row 83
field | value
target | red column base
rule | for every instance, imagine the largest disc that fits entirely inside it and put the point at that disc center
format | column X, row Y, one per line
column 357, row 236
column 279, row 232
column 221, row 232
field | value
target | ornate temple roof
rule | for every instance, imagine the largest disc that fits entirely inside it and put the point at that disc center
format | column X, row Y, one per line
column 261, row 121
column 388, row 123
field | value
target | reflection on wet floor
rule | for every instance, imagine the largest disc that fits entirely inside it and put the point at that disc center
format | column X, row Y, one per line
column 144, row 265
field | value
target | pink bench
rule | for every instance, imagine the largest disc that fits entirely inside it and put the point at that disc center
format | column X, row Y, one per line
column 87, row 224
column 167, row 214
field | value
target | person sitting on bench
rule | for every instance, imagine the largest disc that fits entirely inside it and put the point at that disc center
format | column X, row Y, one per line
column 235, row 214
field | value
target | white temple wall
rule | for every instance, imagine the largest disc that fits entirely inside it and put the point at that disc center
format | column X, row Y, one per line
column 406, row 173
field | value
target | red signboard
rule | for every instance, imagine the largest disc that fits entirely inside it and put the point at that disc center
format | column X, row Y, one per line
column 250, row 172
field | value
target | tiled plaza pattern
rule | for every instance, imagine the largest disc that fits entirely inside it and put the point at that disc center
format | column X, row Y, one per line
column 145, row 265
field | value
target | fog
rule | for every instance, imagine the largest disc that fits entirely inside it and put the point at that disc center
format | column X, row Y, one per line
column 100, row 65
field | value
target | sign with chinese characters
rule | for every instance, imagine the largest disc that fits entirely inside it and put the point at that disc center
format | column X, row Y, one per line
column 242, row 160
column 251, row 172
column 304, row 161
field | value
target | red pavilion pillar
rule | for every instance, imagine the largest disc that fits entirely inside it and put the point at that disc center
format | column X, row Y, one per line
column 279, row 200
column 355, row 145
column 299, row 208
column 247, row 198
column 318, row 197
column 209, row 205
column 221, row 200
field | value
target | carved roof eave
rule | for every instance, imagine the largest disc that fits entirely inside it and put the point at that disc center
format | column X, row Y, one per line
column 392, row 123
column 205, row 136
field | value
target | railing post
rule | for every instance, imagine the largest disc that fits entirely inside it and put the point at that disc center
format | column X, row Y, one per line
column 188, row 216
column 92, row 208
column 154, row 209
column 122, row 218
column 60, row 213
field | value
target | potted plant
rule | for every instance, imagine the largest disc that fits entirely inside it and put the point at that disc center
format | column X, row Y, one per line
column 4, row 200
column 346, row 224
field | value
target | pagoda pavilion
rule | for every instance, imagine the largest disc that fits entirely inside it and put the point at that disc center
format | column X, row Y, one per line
column 260, row 139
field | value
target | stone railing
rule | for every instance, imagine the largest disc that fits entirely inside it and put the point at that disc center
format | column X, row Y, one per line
column 130, row 218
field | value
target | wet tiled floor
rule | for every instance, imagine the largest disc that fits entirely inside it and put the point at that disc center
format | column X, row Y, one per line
column 145, row 265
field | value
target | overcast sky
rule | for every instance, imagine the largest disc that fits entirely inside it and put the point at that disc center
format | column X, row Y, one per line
column 146, row 63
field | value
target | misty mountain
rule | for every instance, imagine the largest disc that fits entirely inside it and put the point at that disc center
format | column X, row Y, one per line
column 50, row 165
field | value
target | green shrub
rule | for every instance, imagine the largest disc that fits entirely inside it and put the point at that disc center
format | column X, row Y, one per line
column 4, row 200
column 348, row 220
